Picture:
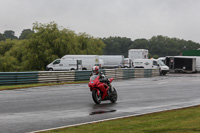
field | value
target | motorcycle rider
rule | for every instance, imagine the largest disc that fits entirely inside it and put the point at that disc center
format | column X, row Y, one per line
column 102, row 78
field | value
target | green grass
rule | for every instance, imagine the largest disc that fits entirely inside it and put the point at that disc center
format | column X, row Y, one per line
column 176, row 121
column 12, row 87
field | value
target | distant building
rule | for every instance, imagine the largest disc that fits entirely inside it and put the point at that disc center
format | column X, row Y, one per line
column 191, row 52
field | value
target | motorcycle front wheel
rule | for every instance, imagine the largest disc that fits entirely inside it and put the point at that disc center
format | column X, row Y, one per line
column 96, row 97
column 113, row 97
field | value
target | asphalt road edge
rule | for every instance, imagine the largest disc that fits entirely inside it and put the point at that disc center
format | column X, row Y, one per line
column 121, row 117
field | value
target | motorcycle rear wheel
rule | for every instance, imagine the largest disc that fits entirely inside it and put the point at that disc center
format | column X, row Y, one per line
column 113, row 97
column 96, row 97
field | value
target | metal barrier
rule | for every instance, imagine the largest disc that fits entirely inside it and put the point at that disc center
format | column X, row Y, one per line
column 13, row 78
column 110, row 73
column 139, row 73
column 128, row 73
column 55, row 76
column 82, row 75
column 131, row 73
column 147, row 72
column 155, row 72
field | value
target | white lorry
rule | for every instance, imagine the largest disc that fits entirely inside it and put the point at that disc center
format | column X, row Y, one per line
column 138, row 53
column 88, row 61
column 135, row 54
column 112, row 61
column 64, row 65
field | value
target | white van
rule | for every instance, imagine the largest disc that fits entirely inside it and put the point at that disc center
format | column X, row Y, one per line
column 145, row 63
column 163, row 68
column 64, row 65
column 151, row 64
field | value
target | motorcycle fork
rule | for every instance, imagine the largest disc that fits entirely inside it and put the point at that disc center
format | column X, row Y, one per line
column 98, row 92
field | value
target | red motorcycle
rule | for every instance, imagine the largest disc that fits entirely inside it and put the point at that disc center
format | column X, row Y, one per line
column 101, row 91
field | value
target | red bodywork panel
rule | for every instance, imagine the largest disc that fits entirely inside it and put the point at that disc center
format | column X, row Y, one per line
column 96, row 84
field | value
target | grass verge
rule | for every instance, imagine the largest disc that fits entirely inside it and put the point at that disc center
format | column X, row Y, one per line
column 185, row 120
column 12, row 87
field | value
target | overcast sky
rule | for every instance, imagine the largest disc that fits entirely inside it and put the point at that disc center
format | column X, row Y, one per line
column 103, row 18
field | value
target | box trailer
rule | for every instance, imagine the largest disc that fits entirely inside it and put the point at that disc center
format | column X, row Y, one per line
column 182, row 64
column 197, row 64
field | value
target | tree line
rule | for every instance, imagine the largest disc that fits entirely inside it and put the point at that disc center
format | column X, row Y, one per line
column 158, row 46
column 10, row 34
column 47, row 43
column 36, row 48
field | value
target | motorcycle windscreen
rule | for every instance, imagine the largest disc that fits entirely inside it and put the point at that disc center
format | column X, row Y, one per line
column 93, row 77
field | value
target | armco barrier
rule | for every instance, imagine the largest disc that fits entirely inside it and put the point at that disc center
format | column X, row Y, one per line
column 139, row 73
column 82, row 75
column 14, row 78
column 147, row 72
column 128, row 73
column 155, row 72
column 110, row 73
column 55, row 76
column 117, row 73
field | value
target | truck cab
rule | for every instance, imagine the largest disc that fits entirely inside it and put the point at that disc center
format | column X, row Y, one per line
column 162, row 67
column 127, row 63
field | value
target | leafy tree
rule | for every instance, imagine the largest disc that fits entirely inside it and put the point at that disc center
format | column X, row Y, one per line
column 50, row 42
column 45, row 44
column 140, row 44
column 26, row 34
column 11, row 58
column 2, row 37
column 5, row 46
column 89, row 45
column 117, row 45
column 9, row 34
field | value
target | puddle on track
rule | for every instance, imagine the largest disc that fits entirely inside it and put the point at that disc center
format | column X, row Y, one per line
column 102, row 112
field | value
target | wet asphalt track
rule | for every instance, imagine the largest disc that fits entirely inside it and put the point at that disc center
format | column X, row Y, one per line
column 40, row 108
